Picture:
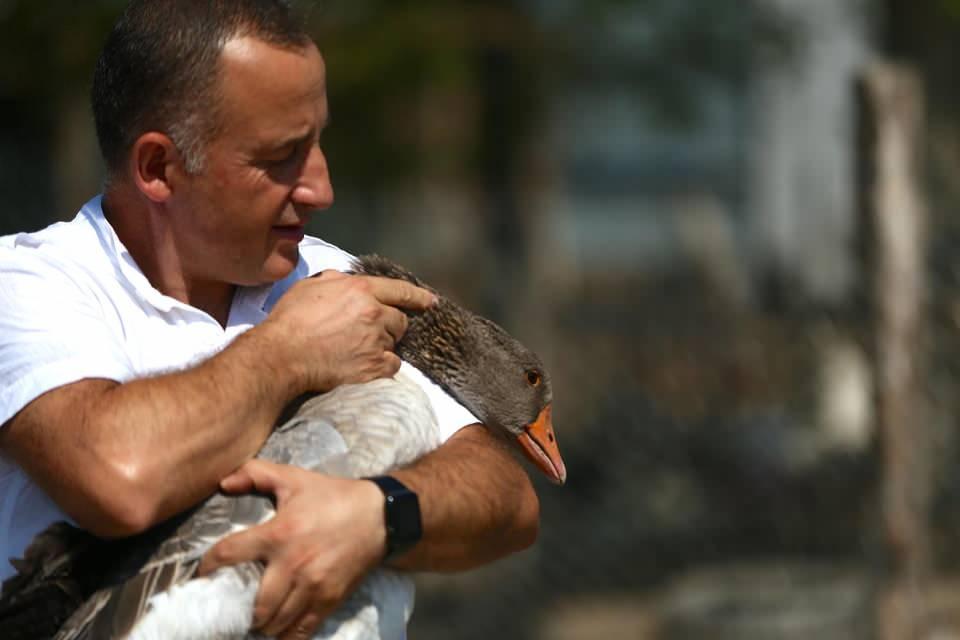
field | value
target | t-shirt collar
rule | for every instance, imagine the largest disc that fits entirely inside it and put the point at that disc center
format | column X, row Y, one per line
column 253, row 298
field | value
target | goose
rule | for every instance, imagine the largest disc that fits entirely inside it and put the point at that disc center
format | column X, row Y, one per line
column 72, row 586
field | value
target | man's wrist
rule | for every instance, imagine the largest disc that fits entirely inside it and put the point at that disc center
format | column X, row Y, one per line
column 401, row 516
column 271, row 352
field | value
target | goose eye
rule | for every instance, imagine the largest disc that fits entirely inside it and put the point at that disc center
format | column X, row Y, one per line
column 533, row 378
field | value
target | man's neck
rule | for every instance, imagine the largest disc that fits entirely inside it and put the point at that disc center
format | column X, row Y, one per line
column 146, row 236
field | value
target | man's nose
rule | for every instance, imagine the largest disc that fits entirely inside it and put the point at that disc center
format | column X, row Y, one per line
column 313, row 189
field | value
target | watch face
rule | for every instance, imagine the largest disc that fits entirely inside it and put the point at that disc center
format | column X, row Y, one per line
column 403, row 519
column 401, row 514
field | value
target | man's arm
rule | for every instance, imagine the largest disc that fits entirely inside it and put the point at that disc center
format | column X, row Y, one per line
column 477, row 505
column 119, row 458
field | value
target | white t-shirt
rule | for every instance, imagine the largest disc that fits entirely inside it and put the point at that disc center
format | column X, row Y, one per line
column 74, row 305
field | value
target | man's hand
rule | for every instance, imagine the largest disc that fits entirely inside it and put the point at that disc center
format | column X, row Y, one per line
column 476, row 502
column 327, row 535
column 337, row 328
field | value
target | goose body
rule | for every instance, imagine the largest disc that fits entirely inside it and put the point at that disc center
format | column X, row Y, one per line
column 146, row 589
column 353, row 431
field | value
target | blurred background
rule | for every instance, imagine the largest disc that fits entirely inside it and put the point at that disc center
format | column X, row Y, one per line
column 729, row 229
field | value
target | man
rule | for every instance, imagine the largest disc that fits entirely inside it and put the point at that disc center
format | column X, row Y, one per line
column 147, row 346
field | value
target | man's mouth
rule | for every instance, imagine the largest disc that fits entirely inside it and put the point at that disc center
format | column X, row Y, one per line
column 290, row 232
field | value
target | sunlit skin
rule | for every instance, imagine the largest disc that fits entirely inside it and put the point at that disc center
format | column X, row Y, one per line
column 240, row 219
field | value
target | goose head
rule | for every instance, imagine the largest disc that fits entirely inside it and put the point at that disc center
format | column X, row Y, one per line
column 500, row 381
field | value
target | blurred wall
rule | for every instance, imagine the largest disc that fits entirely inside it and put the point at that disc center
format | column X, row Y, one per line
column 802, row 148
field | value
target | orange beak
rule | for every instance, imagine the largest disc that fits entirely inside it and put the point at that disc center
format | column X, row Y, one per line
column 540, row 446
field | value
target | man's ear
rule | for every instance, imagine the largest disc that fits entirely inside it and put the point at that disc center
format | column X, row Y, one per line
column 153, row 160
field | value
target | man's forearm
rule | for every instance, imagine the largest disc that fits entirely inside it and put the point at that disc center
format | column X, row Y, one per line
column 199, row 424
column 476, row 502
column 121, row 457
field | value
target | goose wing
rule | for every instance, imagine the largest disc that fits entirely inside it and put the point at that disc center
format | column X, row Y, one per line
column 355, row 431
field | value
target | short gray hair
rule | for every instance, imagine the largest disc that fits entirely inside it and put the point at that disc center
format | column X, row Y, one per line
column 159, row 70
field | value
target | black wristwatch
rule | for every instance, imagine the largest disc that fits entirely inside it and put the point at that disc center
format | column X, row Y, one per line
column 401, row 514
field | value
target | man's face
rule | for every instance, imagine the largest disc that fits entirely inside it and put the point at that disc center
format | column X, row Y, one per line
column 239, row 220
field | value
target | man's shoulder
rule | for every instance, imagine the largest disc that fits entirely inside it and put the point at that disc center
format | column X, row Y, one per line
column 56, row 235
column 70, row 248
column 73, row 266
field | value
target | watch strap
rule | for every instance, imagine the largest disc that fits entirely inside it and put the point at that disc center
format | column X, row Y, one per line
column 401, row 515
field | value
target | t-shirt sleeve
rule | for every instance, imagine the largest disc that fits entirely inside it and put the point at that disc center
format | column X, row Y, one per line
column 319, row 256
column 53, row 331
column 451, row 415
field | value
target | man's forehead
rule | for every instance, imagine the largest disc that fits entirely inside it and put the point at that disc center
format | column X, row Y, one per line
column 269, row 92
column 260, row 66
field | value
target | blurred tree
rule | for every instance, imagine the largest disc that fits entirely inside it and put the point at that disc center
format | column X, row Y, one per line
column 927, row 36
column 47, row 53
column 462, row 88
column 951, row 8
column 47, row 49
column 385, row 56
column 458, row 87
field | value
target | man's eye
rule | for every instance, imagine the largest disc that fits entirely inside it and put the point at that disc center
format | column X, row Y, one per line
column 281, row 157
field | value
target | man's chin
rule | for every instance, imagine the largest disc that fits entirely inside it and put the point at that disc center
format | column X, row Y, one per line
column 279, row 266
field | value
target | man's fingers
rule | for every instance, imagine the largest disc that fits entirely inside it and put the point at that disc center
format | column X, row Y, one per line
column 304, row 628
column 398, row 293
column 244, row 546
column 237, row 482
column 395, row 322
column 277, row 587
column 260, row 476
column 290, row 610
column 391, row 363
column 330, row 274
